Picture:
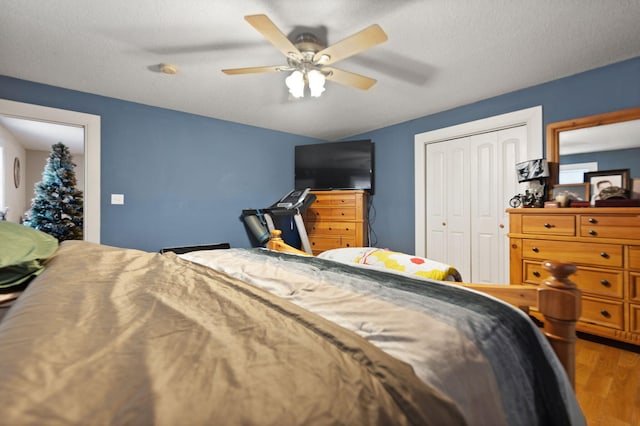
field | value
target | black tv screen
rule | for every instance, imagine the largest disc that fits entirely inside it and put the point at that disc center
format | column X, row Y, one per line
column 335, row 165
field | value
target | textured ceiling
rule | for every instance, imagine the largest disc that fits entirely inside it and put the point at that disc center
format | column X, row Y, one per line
column 440, row 53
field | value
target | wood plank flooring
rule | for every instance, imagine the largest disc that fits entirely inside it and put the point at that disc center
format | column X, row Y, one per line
column 608, row 382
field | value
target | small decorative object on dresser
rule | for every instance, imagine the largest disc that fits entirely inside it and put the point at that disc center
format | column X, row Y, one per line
column 567, row 193
column 604, row 244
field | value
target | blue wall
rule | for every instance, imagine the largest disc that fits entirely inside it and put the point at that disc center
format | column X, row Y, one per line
column 186, row 178
column 609, row 160
column 597, row 91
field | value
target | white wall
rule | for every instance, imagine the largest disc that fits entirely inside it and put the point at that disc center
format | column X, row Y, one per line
column 14, row 198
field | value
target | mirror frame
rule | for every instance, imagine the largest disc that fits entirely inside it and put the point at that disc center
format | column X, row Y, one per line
column 554, row 129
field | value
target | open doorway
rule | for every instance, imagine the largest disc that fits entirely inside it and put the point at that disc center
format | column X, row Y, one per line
column 89, row 127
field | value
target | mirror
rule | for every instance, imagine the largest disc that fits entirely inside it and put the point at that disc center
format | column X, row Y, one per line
column 603, row 139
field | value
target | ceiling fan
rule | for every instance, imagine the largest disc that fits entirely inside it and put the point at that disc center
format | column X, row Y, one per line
column 308, row 60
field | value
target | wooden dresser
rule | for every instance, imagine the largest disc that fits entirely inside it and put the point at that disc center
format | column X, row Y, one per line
column 337, row 219
column 604, row 243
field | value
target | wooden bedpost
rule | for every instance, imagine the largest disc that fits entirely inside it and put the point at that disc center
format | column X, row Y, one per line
column 559, row 302
column 276, row 243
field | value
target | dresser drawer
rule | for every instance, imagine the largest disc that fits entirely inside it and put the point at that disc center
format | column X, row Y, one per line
column 319, row 244
column 334, row 199
column 633, row 257
column 634, row 286
column 610, row 226
column 549, row 225
column 599, row 282
column 575, row 252
column 331, row 228
column 533, row 272
column 634, row 318
column 337, row 213
column 603, row 312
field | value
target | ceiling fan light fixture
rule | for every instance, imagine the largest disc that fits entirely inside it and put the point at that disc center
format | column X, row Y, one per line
column 295, row 83
column 316, row 83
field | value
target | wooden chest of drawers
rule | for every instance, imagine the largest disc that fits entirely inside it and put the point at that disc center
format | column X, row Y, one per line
column 604, row 243
column 337, row 219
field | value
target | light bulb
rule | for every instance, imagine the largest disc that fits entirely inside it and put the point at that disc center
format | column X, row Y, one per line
column 316, row 83
column 295, row 83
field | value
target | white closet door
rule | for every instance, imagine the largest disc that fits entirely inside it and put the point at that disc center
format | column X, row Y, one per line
column 485, row 203
column 494, row 182
column 513, row 148
column 448, row 226
column 469, row 183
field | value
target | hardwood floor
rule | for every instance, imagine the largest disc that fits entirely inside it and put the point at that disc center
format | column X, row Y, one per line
column 608, row 382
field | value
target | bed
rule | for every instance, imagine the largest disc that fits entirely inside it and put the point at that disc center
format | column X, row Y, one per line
column 105, row 335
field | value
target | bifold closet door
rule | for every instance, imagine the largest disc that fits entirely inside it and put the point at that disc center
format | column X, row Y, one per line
column 493, row 183
column 448, row 204
column 469, row 183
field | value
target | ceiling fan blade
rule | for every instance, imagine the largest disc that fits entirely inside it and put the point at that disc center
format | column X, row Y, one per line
column 272, row 33
column 254, row 70
column 352, row 45
column 351, row 79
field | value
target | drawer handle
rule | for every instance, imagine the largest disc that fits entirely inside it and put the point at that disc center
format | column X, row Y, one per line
column 348, row 245
column 592, row 220
column 593, row 232
column 605, row 313
column 535, row 249
column 341, row 213
column 548, row 225
column 605, row 255
column 605, row 283
column 346, row 229
column 330, row 229
column 536, row 274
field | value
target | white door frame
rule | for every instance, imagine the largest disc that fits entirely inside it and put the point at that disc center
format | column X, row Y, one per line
column 91, row 125
column 530, row 117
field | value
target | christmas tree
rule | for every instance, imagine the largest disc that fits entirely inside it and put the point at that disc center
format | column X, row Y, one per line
column 57, row 206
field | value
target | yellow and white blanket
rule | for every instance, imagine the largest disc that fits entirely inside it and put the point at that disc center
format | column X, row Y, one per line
column 394, row 261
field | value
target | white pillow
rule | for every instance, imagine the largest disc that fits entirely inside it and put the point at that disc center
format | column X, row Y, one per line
column 393, row 261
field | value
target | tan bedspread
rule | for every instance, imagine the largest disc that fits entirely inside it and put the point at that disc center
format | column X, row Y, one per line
column 114, row 336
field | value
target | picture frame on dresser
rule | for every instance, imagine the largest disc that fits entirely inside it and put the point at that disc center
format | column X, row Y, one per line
column 606, row 178
column 574, row 191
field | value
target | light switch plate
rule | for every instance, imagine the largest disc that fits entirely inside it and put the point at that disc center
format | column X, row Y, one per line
column 117, row 198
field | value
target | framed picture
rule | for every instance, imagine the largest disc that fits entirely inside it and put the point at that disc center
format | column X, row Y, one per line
column 573, row 191
column 605, row 179
column 532, row 169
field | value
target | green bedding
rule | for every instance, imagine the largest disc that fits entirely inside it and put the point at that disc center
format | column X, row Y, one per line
column 23, row 251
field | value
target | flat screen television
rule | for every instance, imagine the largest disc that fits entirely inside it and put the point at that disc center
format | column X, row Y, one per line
column 335, row 165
